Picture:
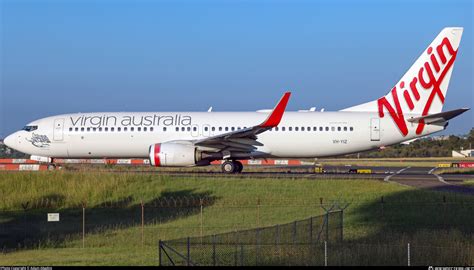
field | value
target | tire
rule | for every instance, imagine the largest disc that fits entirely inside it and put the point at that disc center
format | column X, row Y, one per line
column 239, row 166
column 51, row 167
column 228, row 167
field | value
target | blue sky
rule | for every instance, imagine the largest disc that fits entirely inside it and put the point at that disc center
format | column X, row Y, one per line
column 70, row 56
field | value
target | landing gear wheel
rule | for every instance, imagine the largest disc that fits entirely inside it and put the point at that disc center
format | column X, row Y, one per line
column 51, row 167
column 228, row 167
column 239, row 166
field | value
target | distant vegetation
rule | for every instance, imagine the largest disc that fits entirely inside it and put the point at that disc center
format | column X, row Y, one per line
column 6, row 152
column 425, row 147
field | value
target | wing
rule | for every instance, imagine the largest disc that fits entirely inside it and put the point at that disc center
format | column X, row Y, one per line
column 246, row 139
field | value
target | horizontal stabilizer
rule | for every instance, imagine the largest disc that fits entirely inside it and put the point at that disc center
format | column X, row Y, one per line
column 438, row 117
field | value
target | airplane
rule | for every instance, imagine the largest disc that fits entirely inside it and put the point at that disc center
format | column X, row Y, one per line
column 411, row 109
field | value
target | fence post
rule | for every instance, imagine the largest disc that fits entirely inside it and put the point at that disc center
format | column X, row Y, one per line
column 83, row 224
column 381, row 202
column 408, row 250
column 214, row 250
column 159, row 253
column 25, row 207
column 294, row 232
column 342, row 226
column 258, row 212
column 327, row 226
column 257, row 246
column 188, row 259
column 325, row 253
column 143, row 223
column 202, row 218
column 236, row 251
column 311, row 230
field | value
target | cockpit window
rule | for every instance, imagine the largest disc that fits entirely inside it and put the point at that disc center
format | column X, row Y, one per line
column 30, row 128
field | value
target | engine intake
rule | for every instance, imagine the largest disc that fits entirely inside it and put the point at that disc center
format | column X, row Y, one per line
column 174, row 154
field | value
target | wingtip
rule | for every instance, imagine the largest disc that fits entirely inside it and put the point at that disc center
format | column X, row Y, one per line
column 275, row 117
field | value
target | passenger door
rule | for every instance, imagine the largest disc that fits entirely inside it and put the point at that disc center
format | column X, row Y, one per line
column 375, row 129
column 58, row 131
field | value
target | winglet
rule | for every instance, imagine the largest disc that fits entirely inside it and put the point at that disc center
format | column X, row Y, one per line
column 275, row 116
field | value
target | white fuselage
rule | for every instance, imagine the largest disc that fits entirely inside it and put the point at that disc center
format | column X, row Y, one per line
column 299, row 134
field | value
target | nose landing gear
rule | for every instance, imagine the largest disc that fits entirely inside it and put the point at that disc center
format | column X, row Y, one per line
column 232, row 166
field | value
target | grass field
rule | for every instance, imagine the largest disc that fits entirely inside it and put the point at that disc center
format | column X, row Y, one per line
column 114, row 236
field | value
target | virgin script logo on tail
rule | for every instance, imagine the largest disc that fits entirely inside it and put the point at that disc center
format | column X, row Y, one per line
column 427, row 80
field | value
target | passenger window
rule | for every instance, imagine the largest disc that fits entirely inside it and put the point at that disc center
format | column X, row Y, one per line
column 302, row 128
column 100, row 129
column 119, row 129
column 124, row 129
column 276, row 128
column 70, row 129
column 238, row 128
column 88, row 129
column 183, row 129
column 151, row 128
column 82, row 129
column 213, row 129
column 177, row 128
column 132, row 129
column 327, row 128
column 195, row 129
column 296, row 128
column 315, row 128
column 338, row 128
column 233, row 128
column 112, row 129
column 188, row 128
column 320, row 128
column 226, row 128
column 76, row 129
column 206, row 129
column 145, row 129
column 106, row 129
column 220, row 128
column 290, row 128
column 164, row 129
column 345, row 128
column 351, row 128
column 282, row 128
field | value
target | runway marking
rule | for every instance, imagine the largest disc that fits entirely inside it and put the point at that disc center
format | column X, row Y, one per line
column 441, row 179
column 387, row 178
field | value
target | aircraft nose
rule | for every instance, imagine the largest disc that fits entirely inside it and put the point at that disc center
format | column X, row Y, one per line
column 9, row 141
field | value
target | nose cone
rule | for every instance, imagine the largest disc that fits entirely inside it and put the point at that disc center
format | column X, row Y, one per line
column 9, row 141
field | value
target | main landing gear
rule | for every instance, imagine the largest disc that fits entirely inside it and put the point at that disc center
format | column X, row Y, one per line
column 232, row 166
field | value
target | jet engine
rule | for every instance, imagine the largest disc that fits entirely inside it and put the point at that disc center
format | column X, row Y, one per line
column 175, row 154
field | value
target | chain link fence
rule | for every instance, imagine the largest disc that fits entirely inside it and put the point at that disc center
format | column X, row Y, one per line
column 248, row 235
column 295, row 243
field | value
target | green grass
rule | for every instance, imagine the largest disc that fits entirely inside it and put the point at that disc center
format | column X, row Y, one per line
column 114, row 235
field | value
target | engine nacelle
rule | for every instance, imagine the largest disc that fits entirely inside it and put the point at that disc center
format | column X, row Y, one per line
column 173, row 154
